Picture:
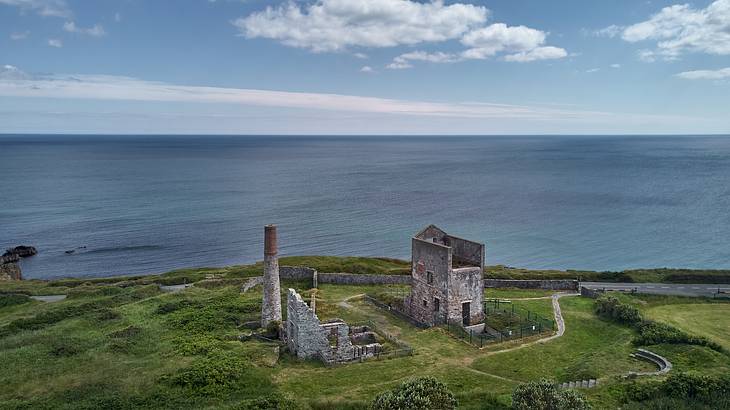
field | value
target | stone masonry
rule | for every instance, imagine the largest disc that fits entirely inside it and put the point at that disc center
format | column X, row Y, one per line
column 447, row 282
column 331, row 342
column 271, row 306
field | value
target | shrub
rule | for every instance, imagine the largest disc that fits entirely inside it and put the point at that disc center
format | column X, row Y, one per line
column 651, row 333
column 196, row 345
column 419, row 393
column 13, row 299
column 545, row 395
column 611, row 308
column 216, row 373
column 684, row 390
column 271, row 402
column 66, row 347
column 107, row 314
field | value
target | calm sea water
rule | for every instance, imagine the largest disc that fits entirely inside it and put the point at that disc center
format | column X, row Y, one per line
column 151, row 204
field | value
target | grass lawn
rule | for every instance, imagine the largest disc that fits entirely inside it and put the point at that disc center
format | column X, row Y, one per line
column 709, row 320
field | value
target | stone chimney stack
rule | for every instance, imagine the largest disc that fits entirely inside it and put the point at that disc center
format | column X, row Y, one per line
column 271, row 307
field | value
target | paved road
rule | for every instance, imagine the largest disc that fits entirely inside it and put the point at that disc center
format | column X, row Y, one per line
column 663, row 288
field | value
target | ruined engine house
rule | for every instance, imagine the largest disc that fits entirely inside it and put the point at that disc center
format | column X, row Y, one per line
column 447, row 283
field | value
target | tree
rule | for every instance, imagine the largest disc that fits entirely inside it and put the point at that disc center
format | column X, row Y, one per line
column 545, row 395
column 418, row 393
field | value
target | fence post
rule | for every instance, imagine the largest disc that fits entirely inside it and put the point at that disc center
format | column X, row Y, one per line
column 471, row 333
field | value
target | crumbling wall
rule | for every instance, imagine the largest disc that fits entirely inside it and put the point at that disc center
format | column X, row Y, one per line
column 9, row 268
column 555, row 284
column 331, row 342
column 430, row 260
column 304, row 334
column 363, row 279
column 466, row 252
column 466, row 285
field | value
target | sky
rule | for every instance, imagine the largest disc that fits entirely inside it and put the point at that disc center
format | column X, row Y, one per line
column 364, row 67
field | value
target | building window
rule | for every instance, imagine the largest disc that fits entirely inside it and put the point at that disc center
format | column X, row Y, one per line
column 429, row 277
column 425, row 303
column 436, row 304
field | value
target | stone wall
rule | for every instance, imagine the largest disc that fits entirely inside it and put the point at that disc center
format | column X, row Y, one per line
column 567, row 284
column 590, row 293
column 466, row 252
column 466, row 285
column 304, row 334
column 357, row 279
column 297, row 273
column 331, row 342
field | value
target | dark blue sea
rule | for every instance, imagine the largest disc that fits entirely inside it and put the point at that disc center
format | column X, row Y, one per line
column 148, row 204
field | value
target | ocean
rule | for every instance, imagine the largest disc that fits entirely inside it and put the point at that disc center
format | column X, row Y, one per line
column 148, row 204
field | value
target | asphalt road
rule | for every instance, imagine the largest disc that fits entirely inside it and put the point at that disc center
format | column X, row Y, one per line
column 663, row 288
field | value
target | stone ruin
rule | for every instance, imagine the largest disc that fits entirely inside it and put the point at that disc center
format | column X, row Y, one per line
column 331, row 342
column 447, row 282
column 306, row 337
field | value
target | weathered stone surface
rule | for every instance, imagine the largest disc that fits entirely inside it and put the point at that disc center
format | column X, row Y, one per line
column 10, row 271
column 446, row 275
column 331, row 342
column 364, row 279
column 271, row 306
column 569, row 284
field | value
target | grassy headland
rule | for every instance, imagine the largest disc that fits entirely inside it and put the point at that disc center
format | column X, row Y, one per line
column 122, row 343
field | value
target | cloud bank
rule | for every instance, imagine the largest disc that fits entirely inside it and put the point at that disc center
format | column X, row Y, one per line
column 47, row 8
column 706, row 74
column 337, row 25
column 680, row 29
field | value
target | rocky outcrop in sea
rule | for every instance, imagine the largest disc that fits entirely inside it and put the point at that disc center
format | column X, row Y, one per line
column 9, row 268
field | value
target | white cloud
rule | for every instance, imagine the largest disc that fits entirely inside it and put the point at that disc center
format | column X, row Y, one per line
column 680, row 29
column 403, row 60
column 361, row 56
column 96, row 31
column 19, row 36
column 117, row 17
column 48, row 8
column 610, row 31
column 367, row 69
column 706, row 74
column 647, row 56
column 488, row 41
column 335, row 25
column 593, row 70
column 12, row 73
column 522, row 44
column 616, row 65
column 54, row 42
column 540, row 53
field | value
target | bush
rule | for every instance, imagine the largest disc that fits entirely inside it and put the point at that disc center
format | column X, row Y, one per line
column 216, row 373
column 545, row 395
column 66, row 347
column 419, row 393
column 107, row 314
column 271, row 402
column 13, row 299
column 610, row 307
column 685, row 390
column 196, row 345
column 651, row 333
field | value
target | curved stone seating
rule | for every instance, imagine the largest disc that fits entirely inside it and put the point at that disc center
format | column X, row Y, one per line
column 663, row 364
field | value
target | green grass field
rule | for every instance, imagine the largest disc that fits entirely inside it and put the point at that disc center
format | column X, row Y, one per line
column 709, row 320
column 121, row 343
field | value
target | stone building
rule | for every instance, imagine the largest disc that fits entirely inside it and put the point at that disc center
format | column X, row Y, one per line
column 447, row 279
column 271, row 304
column 331, row 342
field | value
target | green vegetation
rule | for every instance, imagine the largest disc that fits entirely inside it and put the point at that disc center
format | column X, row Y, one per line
column 121, row 343
column 681, row 391
column 415, row 394
column 710, row 320
column 650, row 332
column 545, row 395
column 660, row 275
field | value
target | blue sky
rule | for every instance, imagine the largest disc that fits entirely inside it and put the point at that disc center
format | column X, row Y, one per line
column 364, row 67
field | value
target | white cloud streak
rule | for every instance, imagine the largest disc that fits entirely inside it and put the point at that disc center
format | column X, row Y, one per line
column 46, row 8
column 15, row 83
column 681, row 29
column 54, row 42
column 96, row 31
column 720, row 74
column 19, row 36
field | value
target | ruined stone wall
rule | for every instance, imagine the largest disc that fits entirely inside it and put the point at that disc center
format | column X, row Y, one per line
column 464, row 251
column 466, row 285
column 305, row 337
column 430, row 233
column 296, row 272
column 358, row 279
column 421, row 303
column 568, row 284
